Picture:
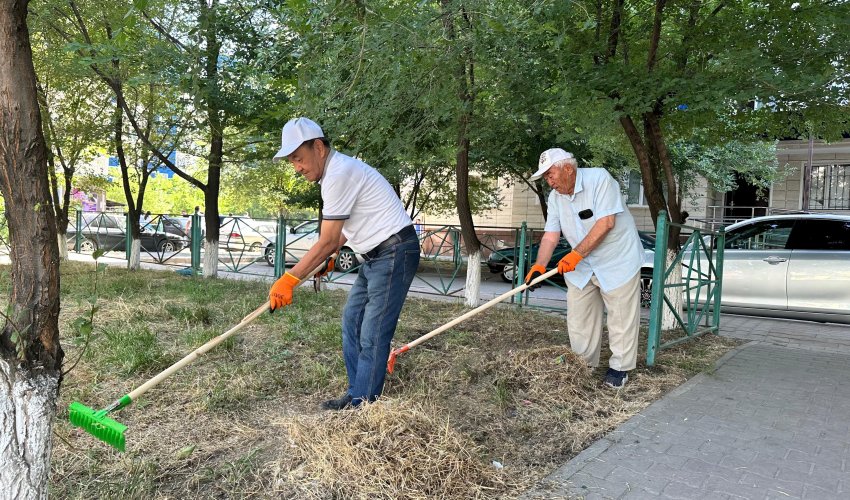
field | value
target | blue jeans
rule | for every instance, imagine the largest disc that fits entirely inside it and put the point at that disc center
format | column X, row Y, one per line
column 371, row 314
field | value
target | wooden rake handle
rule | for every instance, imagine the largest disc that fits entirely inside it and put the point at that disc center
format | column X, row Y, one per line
column 197, row 353
column 460, row 319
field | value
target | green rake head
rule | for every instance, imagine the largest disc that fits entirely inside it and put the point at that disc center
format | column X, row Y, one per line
column 98, row 424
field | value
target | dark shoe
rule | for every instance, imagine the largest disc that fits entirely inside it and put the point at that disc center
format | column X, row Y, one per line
column 337, row 404
column 616, row 378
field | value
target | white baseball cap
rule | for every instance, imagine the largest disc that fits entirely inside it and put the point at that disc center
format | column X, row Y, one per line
column 295, row 132
column 549, row 158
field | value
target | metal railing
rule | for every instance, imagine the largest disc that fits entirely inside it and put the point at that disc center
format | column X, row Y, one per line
column 701, row 262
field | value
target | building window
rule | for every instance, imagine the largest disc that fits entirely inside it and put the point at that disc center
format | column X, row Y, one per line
column 830, row 188
column 634, row 189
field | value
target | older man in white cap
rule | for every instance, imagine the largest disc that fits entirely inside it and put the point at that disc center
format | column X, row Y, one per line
column 360, row 209
column 603, row 268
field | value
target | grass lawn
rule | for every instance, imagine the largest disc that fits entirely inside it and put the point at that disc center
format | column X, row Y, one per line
column 243, row 421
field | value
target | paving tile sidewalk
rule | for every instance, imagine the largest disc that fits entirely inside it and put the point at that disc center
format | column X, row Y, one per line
column 772, row 421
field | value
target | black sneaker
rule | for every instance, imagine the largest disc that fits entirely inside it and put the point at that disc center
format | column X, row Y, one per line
column 337, row 404
column 616, row 378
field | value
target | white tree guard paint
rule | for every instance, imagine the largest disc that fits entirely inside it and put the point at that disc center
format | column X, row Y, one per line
column 473, row 279
column 210, row 259
column 135, row 262
column 674, row 295
column 27, row 410
column 63, row 246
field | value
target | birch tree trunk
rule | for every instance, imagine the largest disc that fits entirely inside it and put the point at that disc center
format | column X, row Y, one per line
column 30, row 354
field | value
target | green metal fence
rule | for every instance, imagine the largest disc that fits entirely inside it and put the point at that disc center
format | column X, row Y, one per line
column 701, row 262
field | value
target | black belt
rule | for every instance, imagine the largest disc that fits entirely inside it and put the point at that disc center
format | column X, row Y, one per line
column 406, row 233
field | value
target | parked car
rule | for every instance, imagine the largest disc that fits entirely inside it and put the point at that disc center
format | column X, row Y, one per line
column 300, row 239
column 795, row 266
column 246, row 234
column 108, row 232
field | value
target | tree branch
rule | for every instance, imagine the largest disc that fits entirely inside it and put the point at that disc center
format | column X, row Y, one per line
column 655, row 37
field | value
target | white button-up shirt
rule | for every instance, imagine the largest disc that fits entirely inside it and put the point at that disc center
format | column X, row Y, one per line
column 620, row 254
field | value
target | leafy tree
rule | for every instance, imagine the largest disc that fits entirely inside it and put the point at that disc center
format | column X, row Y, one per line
column 74, row 116
column 399, row 86
column 669, row 72
column 216, row 47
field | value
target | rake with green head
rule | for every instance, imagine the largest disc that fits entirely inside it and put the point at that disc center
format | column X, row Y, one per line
column 99, row 425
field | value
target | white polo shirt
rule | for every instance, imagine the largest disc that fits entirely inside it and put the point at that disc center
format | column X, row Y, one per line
column 620, row 255
column 356, row 193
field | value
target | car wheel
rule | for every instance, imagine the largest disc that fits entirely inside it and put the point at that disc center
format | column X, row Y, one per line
column 255, row 247
column 508, row 273
column 167, row 246
column 87, row 246
column 269, row 255
column 346, row 260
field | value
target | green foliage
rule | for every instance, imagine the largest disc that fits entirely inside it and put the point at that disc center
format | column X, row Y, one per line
column 756, row 162
column 382, row 79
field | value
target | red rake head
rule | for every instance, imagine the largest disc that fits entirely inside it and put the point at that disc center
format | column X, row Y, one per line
column 393, row 355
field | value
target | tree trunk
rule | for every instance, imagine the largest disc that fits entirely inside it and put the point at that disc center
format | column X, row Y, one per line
column 27, row 410
column 30, row 354
column 465, row 76
column 674, row 295
column 544, row 207
column 134, row 263
column 467, row 226
column 208, row 19
column 62, row 241
column 210, row 263
column 60, row 205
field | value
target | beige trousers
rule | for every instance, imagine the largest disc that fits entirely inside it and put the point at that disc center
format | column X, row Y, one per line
column 584, row 320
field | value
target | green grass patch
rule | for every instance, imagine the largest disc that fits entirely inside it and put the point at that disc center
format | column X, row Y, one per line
column 129, row 349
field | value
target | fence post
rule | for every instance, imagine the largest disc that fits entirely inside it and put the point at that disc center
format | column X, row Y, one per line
column 718, row 270
column 658, row 273
column 128, row 244
column 78, row 238
column 519, row 263
column 195, row 238
column 456, row 252
column 280, row 248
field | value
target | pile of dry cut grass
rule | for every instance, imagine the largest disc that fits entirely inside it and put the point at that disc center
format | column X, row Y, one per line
column 393, row 448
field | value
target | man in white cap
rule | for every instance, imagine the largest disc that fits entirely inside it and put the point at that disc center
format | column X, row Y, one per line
column 603, row 268
column 362, row 211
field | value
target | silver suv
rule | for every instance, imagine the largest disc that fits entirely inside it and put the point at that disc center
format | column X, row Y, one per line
column 795, row 266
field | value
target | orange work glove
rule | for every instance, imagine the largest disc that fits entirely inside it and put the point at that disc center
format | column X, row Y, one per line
column 281, row 293
column 536, row 270
column 327, row 269
column 569, row 262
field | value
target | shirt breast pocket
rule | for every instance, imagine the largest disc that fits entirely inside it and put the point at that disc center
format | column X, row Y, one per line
column 586, row 219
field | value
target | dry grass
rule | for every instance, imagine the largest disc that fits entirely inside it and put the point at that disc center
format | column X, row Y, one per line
column 244, row 421
column 389, row 449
